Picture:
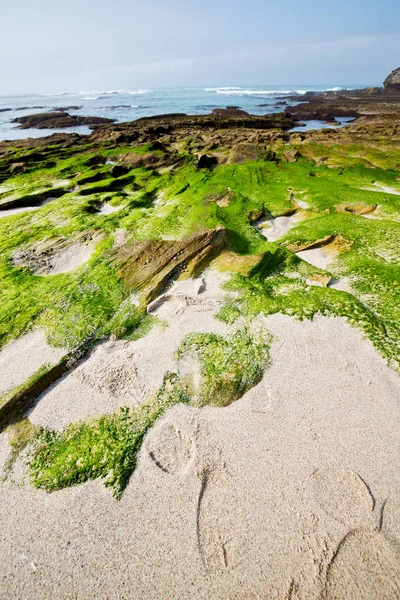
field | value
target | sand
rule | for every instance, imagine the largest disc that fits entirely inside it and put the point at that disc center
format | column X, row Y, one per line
column 58, row 255
column 109, row 209
column 122, row 373
column 342, row 284
column 273, row 229
column 317, row 257
column 7, row 212
column 21, row 358
column 291, row 492
column 380, row 187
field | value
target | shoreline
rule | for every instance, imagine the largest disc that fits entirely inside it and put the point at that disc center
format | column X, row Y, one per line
column 274, row 101
column 227, row 291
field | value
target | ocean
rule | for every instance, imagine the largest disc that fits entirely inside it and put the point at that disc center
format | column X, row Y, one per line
column 128, row 105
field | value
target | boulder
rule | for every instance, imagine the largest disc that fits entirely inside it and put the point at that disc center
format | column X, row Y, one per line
column 245, row 151
column 95, row 160
column 57, row 120
column 133, row 160
column 147, row 266
column 119, row 170
column 207, row 162
column 291, row 155
column 392, row 81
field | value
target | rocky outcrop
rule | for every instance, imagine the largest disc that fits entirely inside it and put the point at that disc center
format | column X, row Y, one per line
column 133, row 160
column 148, row 266
column 392, row 81
column 244, row 152
column 58, row 120
column 291, row 155
column 207, row 162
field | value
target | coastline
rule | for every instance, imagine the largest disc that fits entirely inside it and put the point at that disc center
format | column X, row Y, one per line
column 229, row 289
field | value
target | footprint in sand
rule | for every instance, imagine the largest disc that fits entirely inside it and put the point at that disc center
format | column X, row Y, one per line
column 215, row 526
column 343, row 495
column 173, row 450
column 170, row 448
column 366, row 563
column 363, row 566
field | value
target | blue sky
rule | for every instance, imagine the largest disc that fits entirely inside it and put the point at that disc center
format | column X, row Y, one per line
column 96, row 44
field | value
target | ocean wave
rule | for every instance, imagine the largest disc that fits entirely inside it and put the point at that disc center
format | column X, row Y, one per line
column 335, row 89
column 120, row 107
column 59, row 94
column 91, row 98
column 260, row 92
column 217, row 89
column 137, row 92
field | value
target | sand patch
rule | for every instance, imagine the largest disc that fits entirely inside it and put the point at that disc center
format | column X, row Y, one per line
column 302, row 204
column 318, row 257
column 7, row 212
column 343, row 284
column 120, row 237
column 58, row 255
column 370, row 217
column 21, row 358
column 274, row 229
column 290, row 492
column 379, row 187
column 125, row 373
column 109, row 209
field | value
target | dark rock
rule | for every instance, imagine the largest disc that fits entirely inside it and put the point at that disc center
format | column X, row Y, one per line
column 229, row 112
column 148, row 160
column 92, row 178
column 57, row 120
column 245, row 151
column 64, row 108
column 119, row 170
column 95, row 160
column 157, row 145
column 17, row 167
column 207, row 162
column 29, row 108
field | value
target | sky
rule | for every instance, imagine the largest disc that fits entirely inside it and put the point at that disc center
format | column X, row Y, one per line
column 52, row 46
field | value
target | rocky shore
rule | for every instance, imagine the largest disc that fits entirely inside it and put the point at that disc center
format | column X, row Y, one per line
column 199, row 355
column 58, row 119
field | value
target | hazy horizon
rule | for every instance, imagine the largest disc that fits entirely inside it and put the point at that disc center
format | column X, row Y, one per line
column 94, row 46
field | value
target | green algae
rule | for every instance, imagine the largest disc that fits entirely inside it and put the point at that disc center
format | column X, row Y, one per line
column 91, row 302
column 88, row 302
column 107, row 447
column 103, row 448
column 229, row 366
column 34, row 378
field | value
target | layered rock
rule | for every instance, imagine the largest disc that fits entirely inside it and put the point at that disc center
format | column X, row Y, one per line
column 147, row 266
column 392, row 81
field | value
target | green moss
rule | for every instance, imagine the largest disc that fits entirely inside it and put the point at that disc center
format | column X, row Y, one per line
column 279, row 284
column 34, row 378
column 91, row 301
column 103, row 448
column 229, row 366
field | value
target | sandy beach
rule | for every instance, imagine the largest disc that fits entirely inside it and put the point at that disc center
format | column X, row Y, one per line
column 291, row 492
column 199, row 343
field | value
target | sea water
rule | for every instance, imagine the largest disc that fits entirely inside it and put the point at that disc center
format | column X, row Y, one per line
column 128, row 105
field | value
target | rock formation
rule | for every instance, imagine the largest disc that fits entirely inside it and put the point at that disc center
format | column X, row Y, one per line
column 392, row 81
